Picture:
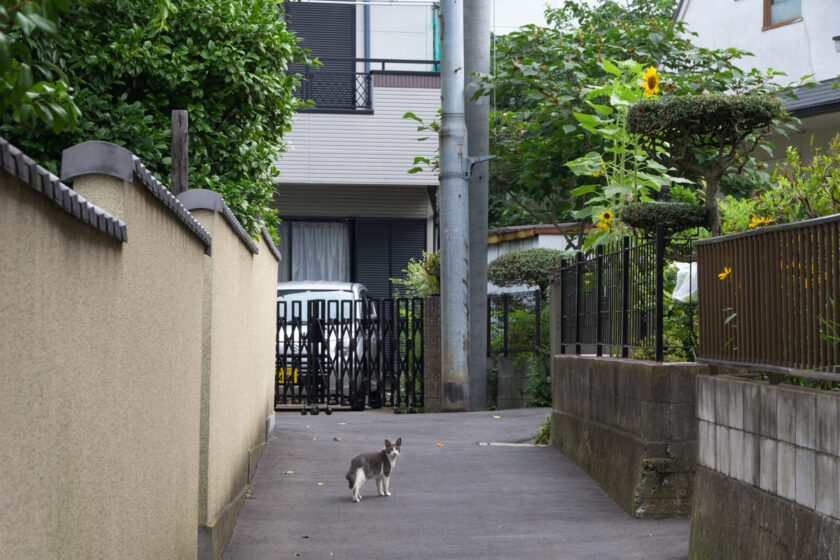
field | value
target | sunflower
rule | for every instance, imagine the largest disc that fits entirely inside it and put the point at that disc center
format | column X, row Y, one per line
column 758, row 222
column 606, row 216
column 603, row 226
column 725, row 273
column 650, row 81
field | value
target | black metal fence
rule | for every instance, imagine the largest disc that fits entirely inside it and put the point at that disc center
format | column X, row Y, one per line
column 614, row 301
column 517, row 322
column 349, row 353
column 346, row 84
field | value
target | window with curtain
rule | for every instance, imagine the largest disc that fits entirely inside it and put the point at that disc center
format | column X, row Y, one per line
column 320, row 251
column 777, row 12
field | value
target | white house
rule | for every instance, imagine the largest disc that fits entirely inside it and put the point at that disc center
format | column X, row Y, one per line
column 797, row 37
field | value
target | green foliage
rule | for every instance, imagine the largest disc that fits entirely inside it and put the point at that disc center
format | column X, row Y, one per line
column 679, row 326
column 421, row 277
column 32, row 88
column 544, row 75
column 543, row 436
column 811, row 190
column 531, row 267
column 538, row 386
column 225, row 61
column 675, row 216
column 706, row 136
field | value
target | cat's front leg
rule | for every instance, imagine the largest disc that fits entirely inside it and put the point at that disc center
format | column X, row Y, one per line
column 380, row 486
column 386, row 483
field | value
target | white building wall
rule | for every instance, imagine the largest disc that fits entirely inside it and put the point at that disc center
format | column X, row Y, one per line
column 376, row 149
column 797, row 49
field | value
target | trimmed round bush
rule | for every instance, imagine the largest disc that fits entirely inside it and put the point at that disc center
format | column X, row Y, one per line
column 675, row 216
column 530, row 267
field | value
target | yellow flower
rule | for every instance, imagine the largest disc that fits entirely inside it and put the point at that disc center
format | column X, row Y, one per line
column 756, row 222
column 606, row 216
column 650, row 82
column 603, row 226
column 725, row 273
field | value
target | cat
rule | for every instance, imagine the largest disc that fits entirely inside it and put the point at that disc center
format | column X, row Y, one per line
column 373, row 465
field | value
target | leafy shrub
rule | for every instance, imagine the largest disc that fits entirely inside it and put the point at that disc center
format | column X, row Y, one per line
column 543, row 436
column 532, row 267
column 421, row 277
column 675, row 216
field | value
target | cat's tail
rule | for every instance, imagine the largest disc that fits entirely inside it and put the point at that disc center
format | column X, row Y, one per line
column 350, row 476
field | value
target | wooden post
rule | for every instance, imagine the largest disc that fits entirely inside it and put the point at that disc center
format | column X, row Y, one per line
column 180, row 150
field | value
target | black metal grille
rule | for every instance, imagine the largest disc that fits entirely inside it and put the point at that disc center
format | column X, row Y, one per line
column 336, row 90
column 614, row 300
column 516, row 322
column 367, row 353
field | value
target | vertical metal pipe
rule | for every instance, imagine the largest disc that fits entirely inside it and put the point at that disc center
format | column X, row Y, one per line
column 455, row 245
column 560, row 293
column 660, row 288
column 505, row 322
column 537, row 316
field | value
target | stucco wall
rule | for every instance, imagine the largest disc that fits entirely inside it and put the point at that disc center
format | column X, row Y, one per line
column 99, row 391
column 136, row 384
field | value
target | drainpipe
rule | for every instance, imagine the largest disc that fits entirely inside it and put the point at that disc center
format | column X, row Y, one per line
column 367, row 38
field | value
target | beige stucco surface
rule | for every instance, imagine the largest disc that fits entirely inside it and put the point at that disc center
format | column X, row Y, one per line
column 99, row 381
column 238, row 369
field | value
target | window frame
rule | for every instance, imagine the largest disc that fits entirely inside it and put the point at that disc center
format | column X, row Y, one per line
column 767, row 25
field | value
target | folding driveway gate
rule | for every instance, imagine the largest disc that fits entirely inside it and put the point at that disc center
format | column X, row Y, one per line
column 349, row 353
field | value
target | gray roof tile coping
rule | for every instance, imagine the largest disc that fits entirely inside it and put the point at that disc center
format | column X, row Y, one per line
column 270, row 242
column 104, row 158
column 24, row 168
column 203, row 199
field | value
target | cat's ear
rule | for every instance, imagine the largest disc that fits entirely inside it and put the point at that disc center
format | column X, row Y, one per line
column 387, row 443
column 399, row 442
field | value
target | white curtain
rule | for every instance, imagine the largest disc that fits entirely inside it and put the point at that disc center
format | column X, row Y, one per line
column 320, row 251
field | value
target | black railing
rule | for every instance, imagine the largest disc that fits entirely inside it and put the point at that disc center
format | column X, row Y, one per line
column 514, row 323
column 614, row 301
column 346, row 84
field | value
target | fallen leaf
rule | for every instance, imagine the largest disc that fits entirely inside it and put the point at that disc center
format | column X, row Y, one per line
column 275, row 437
column 320, row 484
column 307, row 426
column 304, row 536
column 342, row 423
column 249, row 496
column 314, row 438
column 502, row 525
column 438, row 445
column 336, row 438
column 650, row 534
column 289, row 472
column 496, row 417
column 297, row 554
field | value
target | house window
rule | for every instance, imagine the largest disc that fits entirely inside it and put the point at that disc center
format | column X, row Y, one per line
column 781, row 12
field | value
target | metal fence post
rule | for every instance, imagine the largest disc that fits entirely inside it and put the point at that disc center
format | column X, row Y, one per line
column 599, row 285
column 625, row 296
column 537, row 305
column 561, row 348
column 660, row 288
column 489, row 324
column 505, row 299
column 578, row 298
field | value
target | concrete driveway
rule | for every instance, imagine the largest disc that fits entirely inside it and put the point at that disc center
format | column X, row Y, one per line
column 452, row 497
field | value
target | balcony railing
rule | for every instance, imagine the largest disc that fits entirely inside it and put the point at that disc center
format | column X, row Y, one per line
column 346, row 84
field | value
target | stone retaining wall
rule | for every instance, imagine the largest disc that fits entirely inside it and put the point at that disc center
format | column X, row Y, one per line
column 631, row 426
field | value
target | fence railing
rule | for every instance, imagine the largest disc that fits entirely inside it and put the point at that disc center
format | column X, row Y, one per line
column 346, row 84
column 768, row 299
column 514, row 323
column 613, row 301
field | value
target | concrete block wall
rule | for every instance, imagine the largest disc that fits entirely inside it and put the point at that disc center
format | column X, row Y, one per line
column 631, row 426
column 777, row 447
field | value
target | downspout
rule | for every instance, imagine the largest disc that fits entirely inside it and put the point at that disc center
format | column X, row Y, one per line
column 433, row 200
column 679, row 9
column 367, row 38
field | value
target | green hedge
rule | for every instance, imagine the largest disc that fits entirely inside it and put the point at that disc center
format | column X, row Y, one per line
column 675, row 216
column 530, row 267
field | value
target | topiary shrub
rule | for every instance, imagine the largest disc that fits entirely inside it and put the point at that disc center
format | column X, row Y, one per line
column 704, row 135
column 530, row 267
column 675, row 216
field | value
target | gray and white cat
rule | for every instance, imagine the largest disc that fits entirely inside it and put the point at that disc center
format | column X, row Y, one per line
column 373, row 465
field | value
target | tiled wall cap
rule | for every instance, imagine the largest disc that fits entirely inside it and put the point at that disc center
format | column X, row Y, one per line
column 97, row 157
column 203, row 199
column 270, row 243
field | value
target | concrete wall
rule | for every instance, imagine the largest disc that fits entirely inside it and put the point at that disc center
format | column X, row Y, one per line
column 432, row 373
column 103, row 316
column 768, row 471
column 631, row 426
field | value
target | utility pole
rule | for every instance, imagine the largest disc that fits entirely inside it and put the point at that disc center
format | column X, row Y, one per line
column 454, row 195
column 477, row 59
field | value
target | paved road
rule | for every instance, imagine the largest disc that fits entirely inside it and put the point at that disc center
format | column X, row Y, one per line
column 457, row 500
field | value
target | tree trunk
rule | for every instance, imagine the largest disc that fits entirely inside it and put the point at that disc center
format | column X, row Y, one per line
column 712, row 207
